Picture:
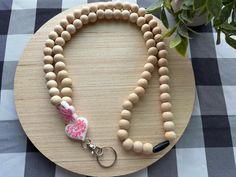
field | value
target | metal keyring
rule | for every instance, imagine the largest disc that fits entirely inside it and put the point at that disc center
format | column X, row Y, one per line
column 115, row 157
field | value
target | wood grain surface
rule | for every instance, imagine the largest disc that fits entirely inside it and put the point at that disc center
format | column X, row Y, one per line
column 104, row 61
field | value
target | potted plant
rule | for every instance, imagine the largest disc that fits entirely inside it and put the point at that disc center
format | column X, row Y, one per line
column 188, row 13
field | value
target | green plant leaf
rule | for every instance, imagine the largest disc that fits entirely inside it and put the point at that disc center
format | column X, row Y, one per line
column 214, row 7
column 155, row 7
column 186, row 16
column 188, row 2
column 228, row 27
column 218, row 37
column 181, row 29
column 167, row 4
column 198, row 4
column 182, row 46
column 164, row 18
column 224, row 15
column 230, row 41
column 169, row 32
column 175, row 41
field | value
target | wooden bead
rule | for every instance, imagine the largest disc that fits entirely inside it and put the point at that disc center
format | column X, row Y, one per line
column 148, row 17
column 118, row 5
column 150, row 43
column 66, row 35
column 170, row 135
column 134, row 7
column 161, row 45
column 152, row 23
column 140, row 91
column 140, row 21
column 66, row 82
column 167, row 116
column 126, row 114
column 152, row 51
column 124, row 124
column 55, row 100
column 147, row 148
column 52, row 35
column 71, row 29
column 156, row 30
column 77, row 13
column 64, row 23
column 141, row 12
column 59, row 66
column 62, row 74
column 127, row 105
column 57, row 49
column 92, row 17
column 78, row 24
column 66, row 91
column 169, row 126
column 93, row 8
column 84, row 19
column 108, row 14
column 67, row 99
column 60, row 41
column 59, row 57
column 147, row 35
column 146, row 75
column 48, row 59
column 54, row 91
column 50, row 76
column 70, row 18
column 100, row 13
column 109, row 5
column 58, row 29
column 158, row 38
column 145, row 28
column 165, row 97
column 133, row 17
column 126, row 6
column 162, row 62
column 162, row 53
column 117, row 14
column 101, row 5
column 128, row 144
column 47, row 51
column 149, row 67
column 51, row 83
column 138, row 147
column 85, row 10
column 122, row 134
column 49, row 43
column 164, row 88
column 133, row 97
column 125, row 14
column 142, row 83
column 163, row 70
column 166, row 106
column 152, row 59
column 48, row 68
column 164, row 79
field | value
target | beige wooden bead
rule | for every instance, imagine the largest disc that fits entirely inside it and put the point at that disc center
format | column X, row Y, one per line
column 146, row 75
column 57, row 49
column 67, row 99
column 167, row 116
column 54, row 91
column 100, row 14
column 60, row 41
column 117, row 14
column 166, row 106
column 77, row 13
column 140, row 91
column 134, row 7
column 109, row 5
column 158, row 38
column 126, row 6
column 128, row 144
column 93, row 8
column 124, row 124
column 152, row 59
column 169, row 126
column 50, row 76
column 125, row 14
column 162, row 62
column 49, row 43
column 164, row 88
column 147, row 35
column 108, row 14
column 101, row 5
column 161, row 45
column 148, row 17
column 149, row 67
column 85, row 10
column 138, row 147
column 58, row 29
column 162, row 54
column 170, row 135
column 118, row 5
column 165, row 97
column 133, row 17
column 126, row 114
column 64, row 23
column 150, row 43
column 133, row 97
column 156, row 30
column 51, row 83
column 71, row 29
column 142, row 83
column 145, row 28
column 59, row 57
column 48, row 68
column 78, row 23
column 47, row 51
column 122, row 134
column 140, row 21
column 127, row 105
column 52, row 35
column 59, row 66
column 66, row 91
column 147, row 148
column 70, row 18
column 163, row 70
column 48, row 59
column 66, row 35
column 164, row 79
column 152, row 23
column 55, row 100
column 141, row 12
column 62, row 74
column 84, row 19
column 66, row 82
column 92, row 17
column 152, row 51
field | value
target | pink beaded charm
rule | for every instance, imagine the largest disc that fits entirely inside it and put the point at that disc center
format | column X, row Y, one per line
column 67, row 112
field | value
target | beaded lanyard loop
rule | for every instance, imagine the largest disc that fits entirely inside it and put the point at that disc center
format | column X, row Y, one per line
column 60, row 85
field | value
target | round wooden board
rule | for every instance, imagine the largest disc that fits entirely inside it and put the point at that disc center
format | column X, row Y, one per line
column 104, row 61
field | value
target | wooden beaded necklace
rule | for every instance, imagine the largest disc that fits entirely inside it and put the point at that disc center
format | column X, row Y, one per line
column 57, row 75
